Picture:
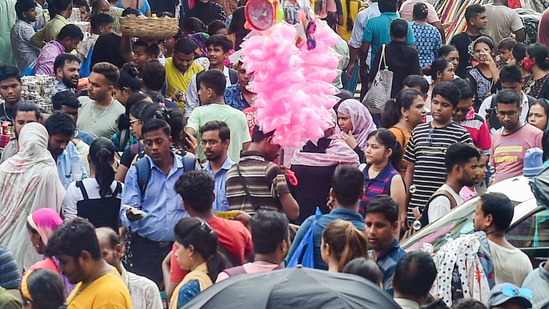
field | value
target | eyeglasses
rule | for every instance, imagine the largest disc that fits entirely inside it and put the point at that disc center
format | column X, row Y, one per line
column 511, row 291
column 509, row 114
column 211, row 142
column 430, row 136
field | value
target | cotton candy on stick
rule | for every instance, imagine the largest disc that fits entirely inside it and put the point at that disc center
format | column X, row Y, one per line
column 293, row 85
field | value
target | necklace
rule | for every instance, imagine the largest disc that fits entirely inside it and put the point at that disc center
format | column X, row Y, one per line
column 6, row 113
column 85, row 286
column 104, row 111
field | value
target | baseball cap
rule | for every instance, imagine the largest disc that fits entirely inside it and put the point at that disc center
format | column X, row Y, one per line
column 504, row 292
column 533, row 162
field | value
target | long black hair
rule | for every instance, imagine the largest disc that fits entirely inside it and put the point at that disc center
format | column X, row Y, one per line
column 196, row 232
column 102, row 153
column 388, row 139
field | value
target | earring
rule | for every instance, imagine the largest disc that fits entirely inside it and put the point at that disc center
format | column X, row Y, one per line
column 406, row 118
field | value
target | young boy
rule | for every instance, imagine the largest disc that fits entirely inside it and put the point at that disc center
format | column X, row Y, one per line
column 218, row 47
column 144, row 51
column 101, row 24
column 505, row 47
column 180, row 69
column 426, row 150
column 475, row 15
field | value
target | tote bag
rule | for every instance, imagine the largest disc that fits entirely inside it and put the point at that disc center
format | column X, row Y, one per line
column 380, row 91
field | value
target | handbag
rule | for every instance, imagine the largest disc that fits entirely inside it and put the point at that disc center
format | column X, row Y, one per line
column 380, row 91
column 304, row 254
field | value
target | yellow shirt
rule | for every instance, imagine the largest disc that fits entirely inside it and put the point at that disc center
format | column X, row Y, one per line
column 49, row 32
column 178, row 80
column 108, row 291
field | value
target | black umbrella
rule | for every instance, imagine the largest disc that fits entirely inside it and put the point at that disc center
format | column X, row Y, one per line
column 294, row 288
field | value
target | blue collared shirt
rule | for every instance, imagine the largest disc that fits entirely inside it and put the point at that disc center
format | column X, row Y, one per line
column 220, row 203
column 162, row 204
column 68, row 164
column 387, row 262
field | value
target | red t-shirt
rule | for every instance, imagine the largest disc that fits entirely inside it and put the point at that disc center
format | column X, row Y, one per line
column 231, row 234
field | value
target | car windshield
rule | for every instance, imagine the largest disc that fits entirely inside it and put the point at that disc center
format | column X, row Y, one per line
column 460, row 220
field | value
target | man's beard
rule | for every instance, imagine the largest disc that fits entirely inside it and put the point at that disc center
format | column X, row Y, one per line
column 69, row 83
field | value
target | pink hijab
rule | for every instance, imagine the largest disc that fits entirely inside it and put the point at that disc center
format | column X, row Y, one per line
column 44, row 221
column 361, row 119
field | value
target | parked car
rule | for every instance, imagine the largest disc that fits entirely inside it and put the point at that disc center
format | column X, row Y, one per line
column 529, row 230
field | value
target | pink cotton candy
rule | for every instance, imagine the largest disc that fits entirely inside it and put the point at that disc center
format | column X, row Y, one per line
column 293, row 85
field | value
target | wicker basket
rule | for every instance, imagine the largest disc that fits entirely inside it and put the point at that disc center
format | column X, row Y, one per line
column 149, row 28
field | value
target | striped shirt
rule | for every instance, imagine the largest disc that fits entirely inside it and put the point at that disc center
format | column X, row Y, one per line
column 381, row 184
column 9, row 275
column 264, row 179
column 427, row 150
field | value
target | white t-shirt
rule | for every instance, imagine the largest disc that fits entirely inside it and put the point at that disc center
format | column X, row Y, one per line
column 510, row 265
column 74, row 195
column 440, row 205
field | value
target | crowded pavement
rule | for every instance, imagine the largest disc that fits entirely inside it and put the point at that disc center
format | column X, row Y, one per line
column 274, row 154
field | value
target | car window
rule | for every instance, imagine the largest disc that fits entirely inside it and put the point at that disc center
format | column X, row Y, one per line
column 531, row 232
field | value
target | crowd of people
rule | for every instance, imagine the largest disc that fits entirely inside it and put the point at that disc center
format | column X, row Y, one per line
column 151, row 179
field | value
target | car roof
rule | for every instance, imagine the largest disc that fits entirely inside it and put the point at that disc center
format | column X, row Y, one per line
column 459, row 220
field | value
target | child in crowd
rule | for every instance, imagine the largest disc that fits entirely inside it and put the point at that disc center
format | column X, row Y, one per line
column 505, row 48
column 426, row 150
column 101, row 24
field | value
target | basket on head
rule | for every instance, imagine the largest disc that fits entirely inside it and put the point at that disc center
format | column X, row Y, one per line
column 149, row 28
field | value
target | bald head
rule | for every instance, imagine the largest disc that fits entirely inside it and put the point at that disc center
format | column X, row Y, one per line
column 111, row 247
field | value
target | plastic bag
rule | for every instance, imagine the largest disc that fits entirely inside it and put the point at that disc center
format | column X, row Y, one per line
column 305, row 249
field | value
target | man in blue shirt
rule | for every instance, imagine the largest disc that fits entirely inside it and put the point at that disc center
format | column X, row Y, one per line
column 347, row 190
column 238, row 95
column 70, row 167
column 151, row 232
column 380, row 227
column 215, row 139
column 377, row 30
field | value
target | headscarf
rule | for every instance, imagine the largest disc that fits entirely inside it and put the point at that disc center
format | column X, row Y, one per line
column 44, row 221
column 28, row 181
column 337, row 152
column 33, row 149
column 361, row 119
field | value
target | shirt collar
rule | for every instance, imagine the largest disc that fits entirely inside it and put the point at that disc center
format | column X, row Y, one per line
column 227, row 164
column 62, row 18
column 406, row 303
column 394, row 245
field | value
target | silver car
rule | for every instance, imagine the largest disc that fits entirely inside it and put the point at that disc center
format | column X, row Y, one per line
column 529, row 230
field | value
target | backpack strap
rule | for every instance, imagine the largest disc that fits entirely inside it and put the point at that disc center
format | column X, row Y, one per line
column 255, row 206
column 424, row 219
column 189, row 164
column 143, row 170
column 118, row 189
column 233, row 76
column 80, row 184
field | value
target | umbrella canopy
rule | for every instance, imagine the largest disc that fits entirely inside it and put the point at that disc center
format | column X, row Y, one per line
column 294, row 288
